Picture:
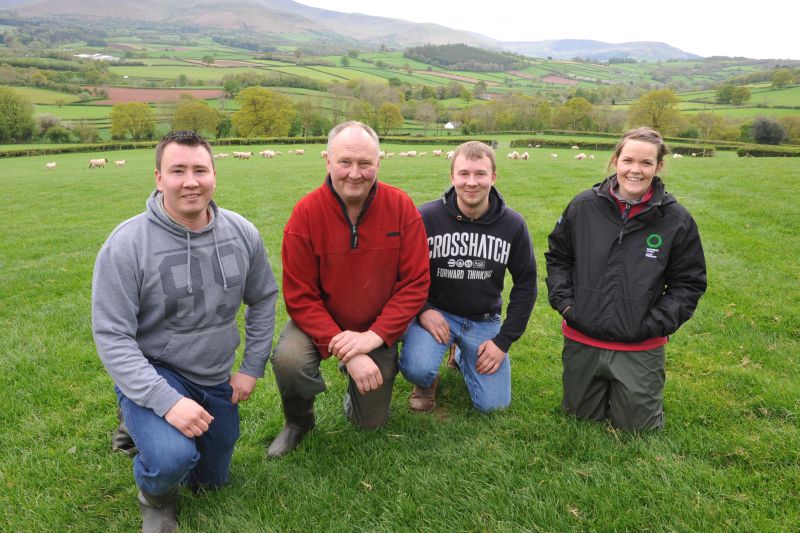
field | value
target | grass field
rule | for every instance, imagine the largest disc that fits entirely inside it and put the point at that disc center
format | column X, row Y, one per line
column 727, row 459
column 44, row 96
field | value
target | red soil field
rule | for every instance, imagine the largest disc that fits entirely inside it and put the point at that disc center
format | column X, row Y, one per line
column 131, row 94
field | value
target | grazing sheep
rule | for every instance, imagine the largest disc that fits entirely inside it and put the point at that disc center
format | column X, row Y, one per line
column 381, row 154
column 267, row 154
column 411, row 153
column 120, row 163
column 96, row 163
column 524, row 155
column 580, row 156
column 538, row 146
column 677, row 156
column 242, row 155
column 389, row 154
column 553, row 156
column 694, row 154
column 278, row 152
column 513, row 155
column 591, row 156
column 530, row 145
column 451, row 154
column 421, row 154
column 323, row 154
column 221, row 156
column 576, row 147
column 50, row 166
column 403, row 154
column 437, row 153
column 299, row 152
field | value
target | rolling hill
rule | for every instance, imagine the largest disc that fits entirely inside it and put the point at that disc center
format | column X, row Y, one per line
column 292, row 20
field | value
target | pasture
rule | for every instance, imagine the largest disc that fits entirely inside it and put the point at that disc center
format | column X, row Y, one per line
column 727, row 460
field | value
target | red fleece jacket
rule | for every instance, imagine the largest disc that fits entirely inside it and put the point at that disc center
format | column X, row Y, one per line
column 380, row 284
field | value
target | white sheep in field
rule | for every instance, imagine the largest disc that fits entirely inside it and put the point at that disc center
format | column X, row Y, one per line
column 297, row 152
column 50, row 166
column 389, row 154
column 242, row 155
column 538, row 146
column 525, row 155
column 580, row 156
column 403, row 154
column 677, row 156
column 513, row 155
column 553, row 156
column 96, row 163
column 120, row 163
column 411, row 153
column 591, row 156
column 575, row 147
column 267, row 154
column 437, row 153
column 381, row 154
column 451, row 154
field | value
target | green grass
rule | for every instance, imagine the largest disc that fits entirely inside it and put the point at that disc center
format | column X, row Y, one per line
column 44, row 96
column 727, row 459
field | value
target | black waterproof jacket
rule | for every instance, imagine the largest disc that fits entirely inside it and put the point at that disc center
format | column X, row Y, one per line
column 625, row 280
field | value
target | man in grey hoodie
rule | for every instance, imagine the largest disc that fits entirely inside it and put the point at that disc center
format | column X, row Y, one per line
column 166, row 290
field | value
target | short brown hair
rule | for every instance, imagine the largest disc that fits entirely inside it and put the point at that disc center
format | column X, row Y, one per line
column 473, row 150
column 643, row 134
column 184, row 137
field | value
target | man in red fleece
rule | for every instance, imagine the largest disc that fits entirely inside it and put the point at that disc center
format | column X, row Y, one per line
column 355, row 273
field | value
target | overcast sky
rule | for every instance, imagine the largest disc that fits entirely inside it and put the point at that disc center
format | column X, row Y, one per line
column 764, row 29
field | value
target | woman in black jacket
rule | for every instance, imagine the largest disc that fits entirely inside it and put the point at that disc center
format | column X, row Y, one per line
column 625, row 268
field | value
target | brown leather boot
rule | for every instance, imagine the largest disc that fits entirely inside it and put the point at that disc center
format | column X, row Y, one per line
column 451, row 358
column 299, row 414
column 423, row 399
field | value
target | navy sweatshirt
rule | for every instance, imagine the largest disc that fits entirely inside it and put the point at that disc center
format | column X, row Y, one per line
column 468, row 260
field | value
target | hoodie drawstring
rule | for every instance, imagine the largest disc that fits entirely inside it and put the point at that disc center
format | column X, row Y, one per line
column 188, row 262
column 219, row 260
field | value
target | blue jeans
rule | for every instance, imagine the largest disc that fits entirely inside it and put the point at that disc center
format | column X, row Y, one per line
column 421, row 356
column 166, row 457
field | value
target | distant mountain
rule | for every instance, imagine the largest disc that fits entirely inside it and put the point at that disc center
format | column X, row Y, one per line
column 597, row 50
column 291, row 19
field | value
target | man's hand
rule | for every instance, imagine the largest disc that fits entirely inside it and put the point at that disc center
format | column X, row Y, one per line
column 243, row 386
column 348, row 344
column 434, row 323
column 188, row 417
column 364, row 373
column 489, row 358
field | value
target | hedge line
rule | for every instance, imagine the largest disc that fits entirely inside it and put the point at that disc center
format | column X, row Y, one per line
column 233, row 141
column 767, row 151
column 684, row 149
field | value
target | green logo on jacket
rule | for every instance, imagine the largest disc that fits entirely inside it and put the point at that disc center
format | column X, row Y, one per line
column 654, row 241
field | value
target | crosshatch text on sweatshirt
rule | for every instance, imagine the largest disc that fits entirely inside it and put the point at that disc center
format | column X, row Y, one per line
column 469, row 245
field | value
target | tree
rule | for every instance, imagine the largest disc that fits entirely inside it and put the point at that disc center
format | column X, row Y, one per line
column 344, row 61
column 133, row 118
column 426, row 113
column 182, row 81
column 208, row 59
column 740, row 95
column 231, row 88
column 389, row 117
column 657, row 109
column 58, row 134
column 781, row 78
column 479, row 89
column 85, row 131
column 767, row 131
column 16, row 117
column 195, row 115
column 306, row 116
column 724, row 93
column 263, row 113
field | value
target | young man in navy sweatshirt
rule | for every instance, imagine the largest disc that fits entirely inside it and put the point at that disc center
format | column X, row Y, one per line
column 473, row 237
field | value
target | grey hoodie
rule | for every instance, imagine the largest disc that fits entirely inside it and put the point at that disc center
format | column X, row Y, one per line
column 164, row 294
